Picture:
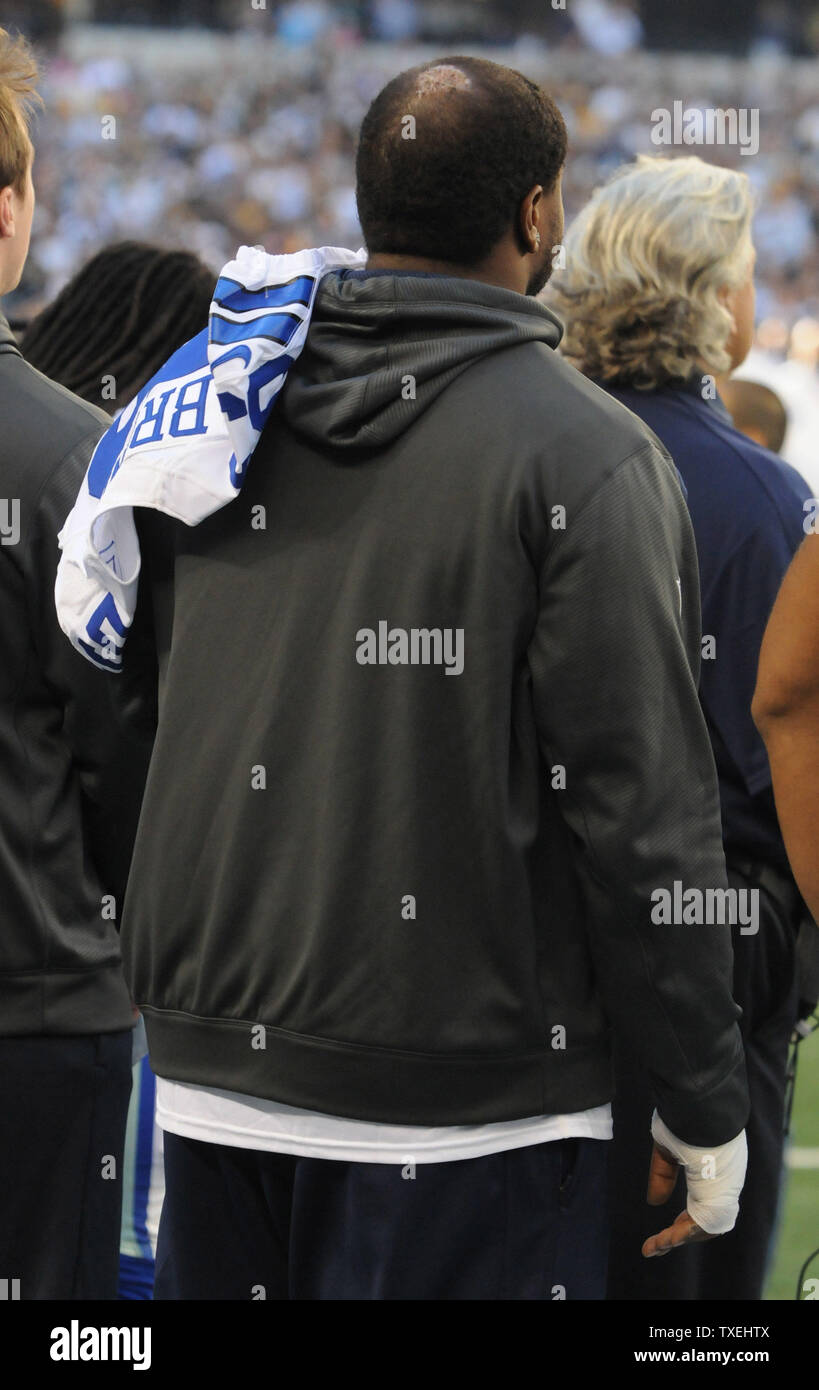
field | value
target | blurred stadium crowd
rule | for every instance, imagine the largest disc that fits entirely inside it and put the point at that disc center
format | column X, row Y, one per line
column 248, row 136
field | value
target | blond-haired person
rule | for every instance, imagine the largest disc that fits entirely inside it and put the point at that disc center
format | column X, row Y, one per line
column 658, row 299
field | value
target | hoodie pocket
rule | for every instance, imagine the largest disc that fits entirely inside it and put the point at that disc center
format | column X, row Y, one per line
column 569, row 1165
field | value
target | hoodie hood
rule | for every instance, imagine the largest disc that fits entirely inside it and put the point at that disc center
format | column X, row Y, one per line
column 381, row 347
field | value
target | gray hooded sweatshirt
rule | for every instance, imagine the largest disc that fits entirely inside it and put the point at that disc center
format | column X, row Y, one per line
column 429, row 741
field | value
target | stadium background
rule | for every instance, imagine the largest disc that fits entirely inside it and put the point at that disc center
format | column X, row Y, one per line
column 236, row 122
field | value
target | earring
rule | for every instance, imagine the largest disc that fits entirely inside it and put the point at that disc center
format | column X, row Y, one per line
column 537, row 240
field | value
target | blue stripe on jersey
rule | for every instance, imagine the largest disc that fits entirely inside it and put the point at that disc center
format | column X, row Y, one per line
column 278, row 327
column 105, row 459
column 231, row 295
column 136, row 1278
column 144, row 1156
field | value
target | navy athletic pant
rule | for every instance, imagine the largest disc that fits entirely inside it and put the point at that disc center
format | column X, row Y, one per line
column 528, row 1223
column 64, row 1105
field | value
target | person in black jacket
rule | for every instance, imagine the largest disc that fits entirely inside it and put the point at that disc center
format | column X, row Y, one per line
column 71, row 775
column 428, row 745
column 103, row 336
column 658, row 297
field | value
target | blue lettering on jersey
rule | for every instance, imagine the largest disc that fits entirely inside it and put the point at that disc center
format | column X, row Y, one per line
column 107, row 609
column 262, row 376
column 196, row 407
column 154, row 414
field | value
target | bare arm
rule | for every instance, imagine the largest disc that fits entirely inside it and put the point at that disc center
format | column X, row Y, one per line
column 786, row 711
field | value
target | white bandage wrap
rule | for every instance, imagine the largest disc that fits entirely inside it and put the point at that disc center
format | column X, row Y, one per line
column 714, row 1177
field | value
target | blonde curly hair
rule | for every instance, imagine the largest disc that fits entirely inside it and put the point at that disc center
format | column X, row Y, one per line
column 645, row 261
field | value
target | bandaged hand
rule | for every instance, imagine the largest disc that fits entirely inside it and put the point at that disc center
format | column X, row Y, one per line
column 714, row 1177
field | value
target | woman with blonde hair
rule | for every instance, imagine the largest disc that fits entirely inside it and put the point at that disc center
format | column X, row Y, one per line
column 658, row 300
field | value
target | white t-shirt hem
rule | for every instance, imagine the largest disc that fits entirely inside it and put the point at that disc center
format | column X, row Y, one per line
column 215, row 1116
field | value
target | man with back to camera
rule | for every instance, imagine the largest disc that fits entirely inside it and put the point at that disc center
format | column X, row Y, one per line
column 71, row 776
column 447, row 697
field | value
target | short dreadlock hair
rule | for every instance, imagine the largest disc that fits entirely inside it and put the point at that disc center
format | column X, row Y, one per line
column 122, row 315
column 448, row 184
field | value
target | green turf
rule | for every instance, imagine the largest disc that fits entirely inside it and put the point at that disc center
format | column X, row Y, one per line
column 799, row 1229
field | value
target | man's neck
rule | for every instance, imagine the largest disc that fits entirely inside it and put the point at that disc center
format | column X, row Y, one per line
column 487, row 273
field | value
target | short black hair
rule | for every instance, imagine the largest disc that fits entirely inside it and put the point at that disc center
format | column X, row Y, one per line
column 452, row 190
column 123, row 314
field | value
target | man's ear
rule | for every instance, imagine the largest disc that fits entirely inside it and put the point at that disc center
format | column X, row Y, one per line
column 533, row 198
column 520, row 222
column 6, row 211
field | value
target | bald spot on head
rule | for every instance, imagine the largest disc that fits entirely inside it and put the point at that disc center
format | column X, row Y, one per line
column 442, row 78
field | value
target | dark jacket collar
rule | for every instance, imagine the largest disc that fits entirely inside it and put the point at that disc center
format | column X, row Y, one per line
column 8, row 342
column 693, row 385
